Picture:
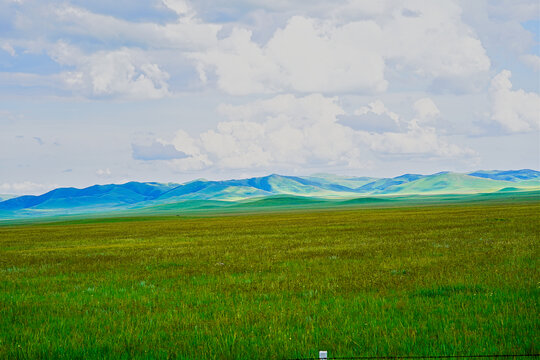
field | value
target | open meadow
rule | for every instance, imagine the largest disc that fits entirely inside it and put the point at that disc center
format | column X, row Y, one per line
column 435, row 280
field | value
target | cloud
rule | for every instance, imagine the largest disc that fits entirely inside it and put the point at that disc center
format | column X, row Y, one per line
column 372, row 117
column 532, row 61
column 195, row 159
column 124, row 73
column 516, row 111
column 25, row 188
column 288, row 131
column 416, row 141
column 181, row 7
column 102, row 56
column 38, row 140
column 156, row 151
column 280, row 132
column 434, row 44
column 377, row 107
column 104, row 172
column 328, row 56
column 306, row 56
column 519, row 10
column 7, row 47
column 346, row 47
column 426, row 109
column 187, row 32
column 408, row 137
column 500, row 26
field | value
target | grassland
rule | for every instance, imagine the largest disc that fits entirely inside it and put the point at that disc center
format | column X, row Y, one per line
column 432, row 280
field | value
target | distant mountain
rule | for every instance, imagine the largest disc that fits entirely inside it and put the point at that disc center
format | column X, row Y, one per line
column 448, row 183
column 347, row 181
column 296, row 189
column 97, row 196
column 509, row 175
column 383, row 186
column 253, row 187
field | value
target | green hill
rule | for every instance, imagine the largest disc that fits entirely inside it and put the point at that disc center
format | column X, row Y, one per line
column 448, row 183
column 258, row 192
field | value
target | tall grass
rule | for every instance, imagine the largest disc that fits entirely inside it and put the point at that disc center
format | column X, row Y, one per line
column 419, row 281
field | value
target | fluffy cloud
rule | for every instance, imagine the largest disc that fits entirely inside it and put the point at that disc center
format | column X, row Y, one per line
column 349, row 47
column 102, row 55
column 416, row 141
column 25, row 187
column 434, row 42
column 187, row 32
column 501, row 25
column 7, row 47
column 531, row 60
column 426, row 39
column 124, row 73
column 181, row 7
column 195, row 159
column 281, row 131
column 426, row 109
column 156, row 151
column 377, row 107
column 306, row 56
column 516, row 111
column 287, row 131
column 104, row 172
column 410, row 137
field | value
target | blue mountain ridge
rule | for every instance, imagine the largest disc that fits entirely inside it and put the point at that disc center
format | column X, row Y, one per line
column 138, row 194
column 509, row 175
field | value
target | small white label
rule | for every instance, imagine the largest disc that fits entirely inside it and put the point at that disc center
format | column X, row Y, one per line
column 323, row 354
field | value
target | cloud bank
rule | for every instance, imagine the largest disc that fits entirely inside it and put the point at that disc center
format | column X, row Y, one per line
column 287, row 130
column 516, row 111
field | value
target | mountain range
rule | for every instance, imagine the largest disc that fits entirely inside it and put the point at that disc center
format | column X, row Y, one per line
column 318, row 187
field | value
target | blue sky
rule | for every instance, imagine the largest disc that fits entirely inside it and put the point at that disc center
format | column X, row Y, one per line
column 173, row 90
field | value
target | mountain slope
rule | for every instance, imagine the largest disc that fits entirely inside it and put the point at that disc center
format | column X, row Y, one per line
column 90, row 197
column 296, row 190
column 350, row 182
column 448, row 183
column 509, row 175
column 382, row 186
column 252, row 187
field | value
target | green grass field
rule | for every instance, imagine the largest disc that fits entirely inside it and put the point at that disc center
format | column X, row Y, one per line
column 433, row 280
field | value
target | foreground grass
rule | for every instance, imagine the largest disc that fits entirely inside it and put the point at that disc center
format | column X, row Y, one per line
column 420, row 281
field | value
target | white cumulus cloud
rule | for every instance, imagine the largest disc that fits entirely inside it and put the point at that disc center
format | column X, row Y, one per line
column 187, row 32
column 425, row 109
column 425, row 39
column 531, row 60
column 104, row 172
column 25, row 188
column 377, row 107
column 124, row 73
column 515, row 110
column 430, row 39
column 416, row 140
column 288, row 131
column 306, row 56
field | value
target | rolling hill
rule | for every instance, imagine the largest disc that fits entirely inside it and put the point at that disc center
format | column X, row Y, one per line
column 510, row 175
column 267, row 190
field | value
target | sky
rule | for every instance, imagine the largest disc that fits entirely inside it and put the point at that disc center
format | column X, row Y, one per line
column 100, row 91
